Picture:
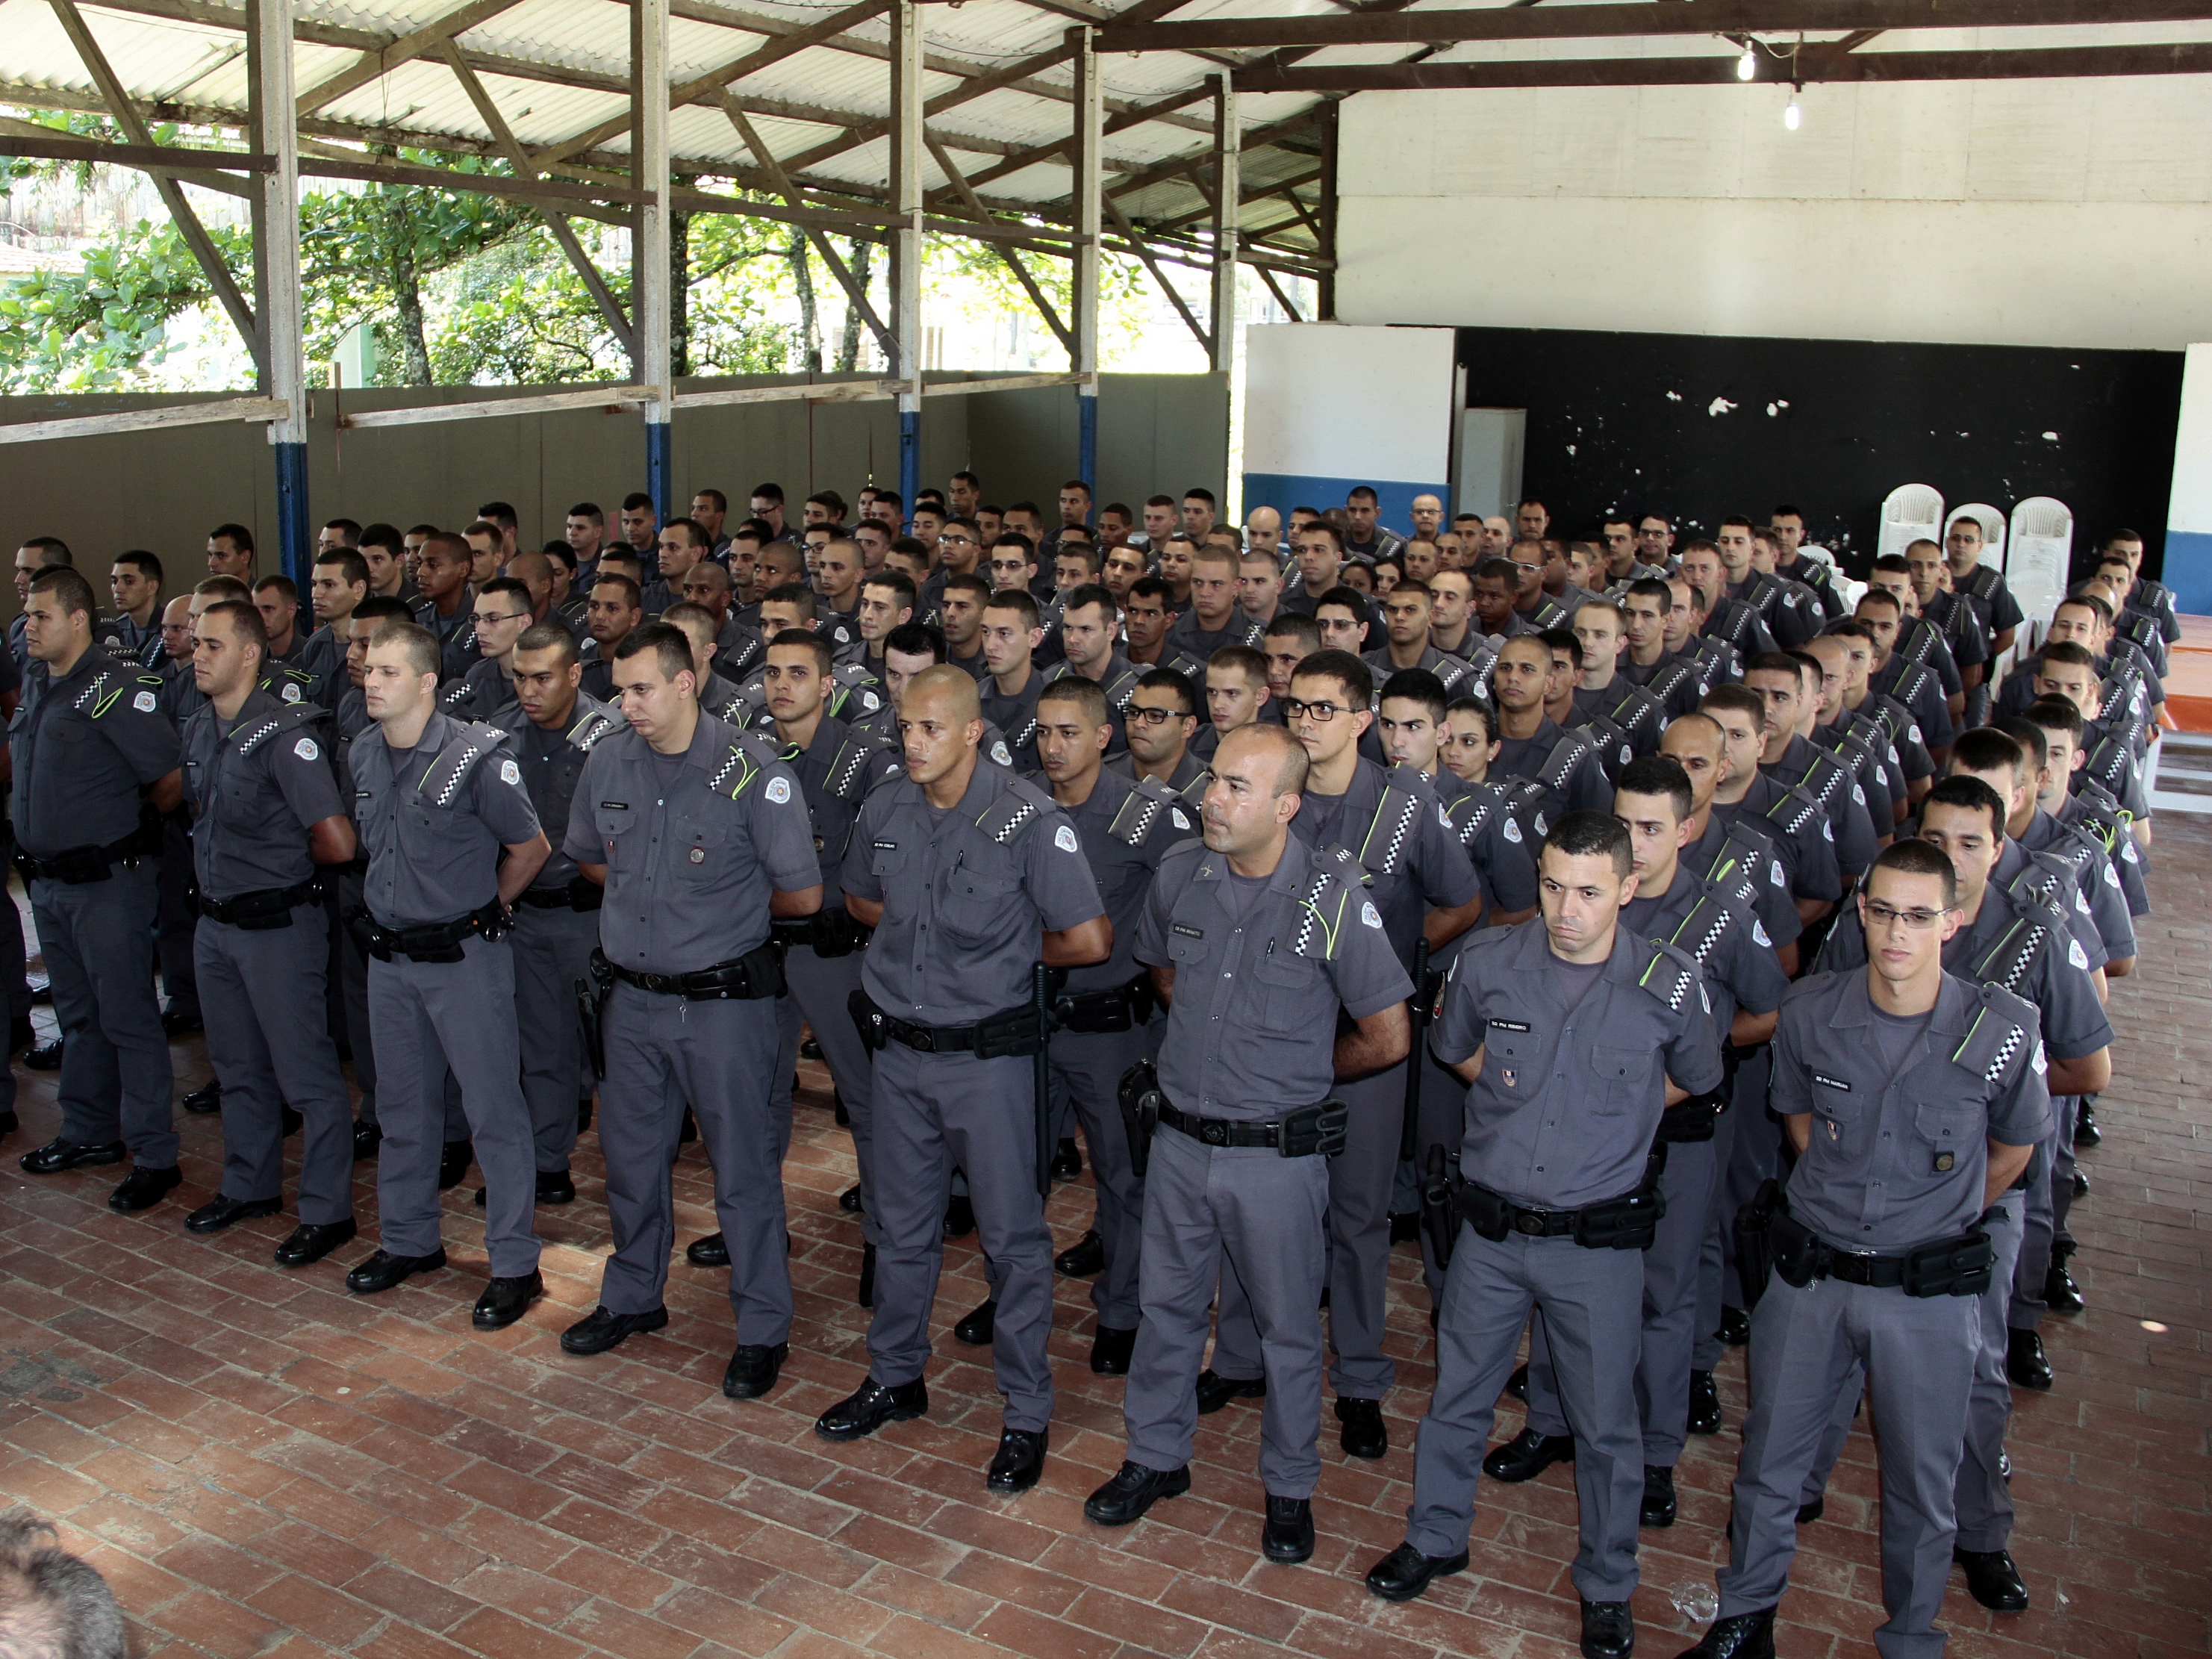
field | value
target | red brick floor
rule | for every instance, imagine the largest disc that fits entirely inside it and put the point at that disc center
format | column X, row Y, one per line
column 264, row 1465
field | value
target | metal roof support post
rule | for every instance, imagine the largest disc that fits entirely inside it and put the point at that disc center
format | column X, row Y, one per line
column 1325, row 284
column 649, row 305
column 1227, row 187
column 276, row 133
column 906, row 238
column 1089, row 205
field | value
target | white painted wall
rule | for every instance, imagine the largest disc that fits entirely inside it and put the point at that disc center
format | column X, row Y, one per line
column 2059, row 212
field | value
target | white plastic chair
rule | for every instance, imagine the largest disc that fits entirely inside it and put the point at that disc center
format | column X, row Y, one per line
column 1847, row 589
column 1993, row 529
column 1913, row 513
column 2039, row 557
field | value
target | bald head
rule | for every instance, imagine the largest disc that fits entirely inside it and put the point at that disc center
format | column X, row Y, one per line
column 1265, row 746
column 950, row 694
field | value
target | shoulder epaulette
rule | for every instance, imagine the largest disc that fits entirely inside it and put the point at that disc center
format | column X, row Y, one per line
column 1566, row 754
column 742, row 764
column 1336, row 875
column 850, row 775
column 1146, row 806
column 442, row 782
column 587, row 732
column 2003, row 1027
column 1017, row 807
column 1706, row 925
column 1670, row 976
column 289, row 718
column 1391, row 832
column 1793, row 811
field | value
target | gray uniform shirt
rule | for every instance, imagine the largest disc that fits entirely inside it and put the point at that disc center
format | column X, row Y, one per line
column 433, row 854
column 1898, row 1158
column 1715, row 924
column 256, row 783
column 552, row 766
column 84, row 745
column 966, row 894
column 1569, row 1098
column 1251, row 1030
column 837, row 772
column 1126, row 830
column 1394, row 825
column 690, row 863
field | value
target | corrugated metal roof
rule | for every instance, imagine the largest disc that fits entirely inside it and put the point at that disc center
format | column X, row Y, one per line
column 557, row 69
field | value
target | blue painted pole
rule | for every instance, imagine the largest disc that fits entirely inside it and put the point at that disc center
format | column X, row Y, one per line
column 659, row 467
column 1087, row 439
column 909, row 454
column 295, row 540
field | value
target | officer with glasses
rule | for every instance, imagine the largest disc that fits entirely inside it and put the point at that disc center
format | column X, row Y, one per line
column 501, row 614
column 1914, row 1099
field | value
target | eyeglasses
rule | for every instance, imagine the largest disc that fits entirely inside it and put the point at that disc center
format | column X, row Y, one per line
column 481, row 620
column 956, row 541
column 1156, row 716
column 1323, row 712
column 1881, row 915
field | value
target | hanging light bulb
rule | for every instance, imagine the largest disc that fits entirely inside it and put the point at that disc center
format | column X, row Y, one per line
column 1791, row 116
column 1747, row 65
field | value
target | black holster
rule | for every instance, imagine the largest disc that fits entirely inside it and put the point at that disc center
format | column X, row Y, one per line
column 1692, row 1120
column 590, row 1000
column 1440, row 1204
column 868, row 1019
column 1798, row 1254
column 1630, row 1221
column 1491, row 1214
column 1755, row 1244
column 1140, row 1098
column 1951, row 1267
column 1313, row 1129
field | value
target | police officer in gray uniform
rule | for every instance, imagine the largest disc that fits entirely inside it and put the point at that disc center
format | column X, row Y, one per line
column 1424, row 885
column 437, row 803
column 699, row 834
column 1255, row 939
column 1103, row 1013
column 92, row 751
column 836, row 766
column 969, row 875
column 552, row 729
column 1716, row 920
column 1914, row 1100
column 1573, row 1035
column 258, row 776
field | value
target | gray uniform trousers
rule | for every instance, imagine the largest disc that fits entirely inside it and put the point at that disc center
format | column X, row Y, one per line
column 1807, row 1346
column 821, row 989
column 116, row 1078
column 361, row 1035
column 1670, row 1314
column 932, row 1112
column 1591, row 1300
column 173, row 919
column 1360, row 1178
column 1245, row 1214
column 15, row 959
column 1747, row 1151
column 268, row 1037
column 552, row 951
column 430, row 1016
column 1086, row 1075
column 664, row 1052
column 2047, row 1200
column 1979, row 1493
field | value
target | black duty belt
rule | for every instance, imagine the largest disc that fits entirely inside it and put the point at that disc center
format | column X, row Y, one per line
column 757, row 974
column 434, row 941
column 1627, row 1223
column 259, row 912
column 1117, row 1009
column 1949, row 1267
column 1302, row 1134
column 582, row 893
column 1018, row 1031
column 78, row 866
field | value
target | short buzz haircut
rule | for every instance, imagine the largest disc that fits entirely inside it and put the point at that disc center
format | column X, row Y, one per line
column 1919, row 858
column 220, row 588
column 914, row 639
column 71, row 590
column 1323, row 527
column 445, row 545
column 902, row 590
column 1496, row 567
column 1244, row 660
column 766, row 492
column 1085, row 550
column 589, row 511
column 1739, row 699
column 382, row 607
column 1093, row 593
column 2058, row 715
column 1564, row 640
column 546, row 636
column 246, row 622
column 483, row 527
column 150, row 567
column 1354, row 676
column 721, row 501
column 1078, row 483
column 2025, row 733
column 1880, row 596
column 1361, row 493
column 690, row 611
column 1657, row 775
column 1290, row 762
column 350, row 532
column 2072, row 652
column 1652, row 587
column 1019, row 600
column 417, row 645
column 1985, row 749
column 792, row 593
column 633, row 595
column 671, row 652
column 236, row 534
column 1345, row 599
column 1415, row 685
column 1089, row 695
column 2095, row 604
column 1294, row 625
column 1771, row 662
column 637, row 499
column 1211, row 552
column 1601, row 603
column 1970, row 795
column 694, row 531
column 1175, row 685
column 351, row 567
column 967, row 582
column 814, row 646
column 1587, row 835
column 1196, row 494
